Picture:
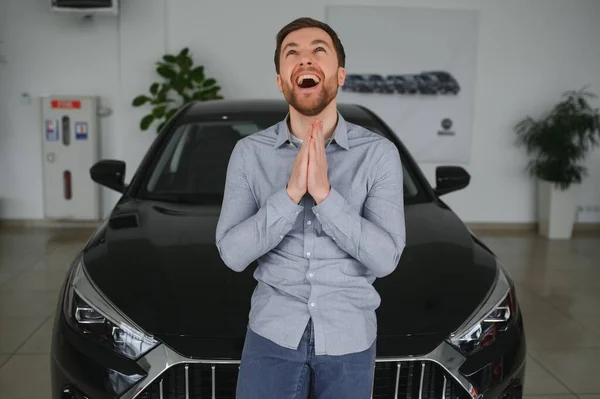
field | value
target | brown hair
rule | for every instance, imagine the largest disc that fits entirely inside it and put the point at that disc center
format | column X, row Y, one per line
column 306, row 22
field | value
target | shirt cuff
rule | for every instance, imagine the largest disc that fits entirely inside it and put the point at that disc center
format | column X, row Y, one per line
column 284, row 204
column 330, row 207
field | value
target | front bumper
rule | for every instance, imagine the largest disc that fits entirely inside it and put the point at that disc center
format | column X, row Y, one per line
column 96, row 373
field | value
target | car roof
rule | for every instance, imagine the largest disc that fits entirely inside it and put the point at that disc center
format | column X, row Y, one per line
column 233, row 107
column 437, row 72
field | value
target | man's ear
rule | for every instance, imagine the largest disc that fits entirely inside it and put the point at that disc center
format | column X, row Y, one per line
column 341, row 76
column 279, row 83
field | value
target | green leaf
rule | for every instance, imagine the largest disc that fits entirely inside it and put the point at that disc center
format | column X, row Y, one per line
column 209, row 82
column 161, row 97
column 208, row 94
column 166, row 72
column 170, row 58
column 186, row 63
column 154, row 88
column 146, row 122
column 184, row 52
column 159, row 112
column 197, row 74
column 160, row 126
column 140, row 100
column 198, row 96
column 179, row 84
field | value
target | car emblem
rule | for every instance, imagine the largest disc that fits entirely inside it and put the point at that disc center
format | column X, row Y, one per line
column 446, row 123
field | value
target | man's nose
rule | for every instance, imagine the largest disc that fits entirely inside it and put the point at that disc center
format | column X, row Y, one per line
column 306, row 59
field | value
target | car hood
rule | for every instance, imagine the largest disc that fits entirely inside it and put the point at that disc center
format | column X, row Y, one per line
column 158, row 263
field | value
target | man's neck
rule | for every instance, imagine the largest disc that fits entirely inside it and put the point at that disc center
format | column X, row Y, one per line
column 300, row 124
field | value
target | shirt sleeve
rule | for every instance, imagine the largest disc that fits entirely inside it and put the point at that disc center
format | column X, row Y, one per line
column 376, row 239
column 246, row 231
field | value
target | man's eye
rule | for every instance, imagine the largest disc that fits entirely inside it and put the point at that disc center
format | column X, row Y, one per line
column 291, row 52
column 319, row 49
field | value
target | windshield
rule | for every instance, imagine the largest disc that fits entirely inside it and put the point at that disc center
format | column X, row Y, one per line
column 192, row 167
column 441, row 76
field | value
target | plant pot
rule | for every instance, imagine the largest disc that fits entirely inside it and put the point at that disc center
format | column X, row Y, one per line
column 557, row 210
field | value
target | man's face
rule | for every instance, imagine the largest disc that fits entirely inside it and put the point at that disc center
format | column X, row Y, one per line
column 309, row 75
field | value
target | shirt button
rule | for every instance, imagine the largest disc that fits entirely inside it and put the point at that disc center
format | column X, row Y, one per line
column 311, row 275
column 280, row 236
column 308, row 254
column 313, row 304
column 309, row 223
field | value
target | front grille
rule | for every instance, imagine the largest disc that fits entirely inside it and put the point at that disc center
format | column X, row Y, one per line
column 393, row 380
column 410, row 379
column 195, row 381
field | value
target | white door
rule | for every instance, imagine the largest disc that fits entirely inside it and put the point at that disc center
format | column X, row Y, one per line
column 70, row 137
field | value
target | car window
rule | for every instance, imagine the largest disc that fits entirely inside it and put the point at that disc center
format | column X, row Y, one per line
column 192, row 166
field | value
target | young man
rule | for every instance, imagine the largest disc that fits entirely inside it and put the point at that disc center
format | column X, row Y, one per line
column 319, row 203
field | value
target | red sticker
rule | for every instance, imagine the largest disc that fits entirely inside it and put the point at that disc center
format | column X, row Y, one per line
column 68, row 104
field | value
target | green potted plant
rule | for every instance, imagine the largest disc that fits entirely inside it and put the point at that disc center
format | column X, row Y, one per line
column 558, row 143
column 182, row 83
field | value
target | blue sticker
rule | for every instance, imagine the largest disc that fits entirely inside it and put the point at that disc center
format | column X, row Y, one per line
column 52, row 130
column 81, row 130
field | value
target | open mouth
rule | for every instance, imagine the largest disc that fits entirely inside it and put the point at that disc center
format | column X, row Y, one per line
column 307, row 81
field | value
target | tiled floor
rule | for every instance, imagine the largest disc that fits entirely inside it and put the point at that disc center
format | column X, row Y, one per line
column 558, row 287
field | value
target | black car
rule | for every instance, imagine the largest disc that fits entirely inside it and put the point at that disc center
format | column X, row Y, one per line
column 428, row 84
column 447, row 83
column 356, row 83
column 403, row 84
column 149, row 310
column 378, row 84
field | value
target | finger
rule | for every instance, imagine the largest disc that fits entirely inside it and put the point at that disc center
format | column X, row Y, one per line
column 308, row 157
column 305, row 143
column 305, row 149
column 321, row 135
column 313, row 128
column 321, row 140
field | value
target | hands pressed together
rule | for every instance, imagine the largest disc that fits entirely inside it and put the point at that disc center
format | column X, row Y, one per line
column 310, row 168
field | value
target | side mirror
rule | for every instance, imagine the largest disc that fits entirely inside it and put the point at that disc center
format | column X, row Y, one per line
column 450, row 178
column 109, row 173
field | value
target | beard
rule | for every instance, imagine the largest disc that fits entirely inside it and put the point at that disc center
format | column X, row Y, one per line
column 313, row 103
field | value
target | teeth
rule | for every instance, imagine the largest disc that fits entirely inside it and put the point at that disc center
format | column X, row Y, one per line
column 313, row 77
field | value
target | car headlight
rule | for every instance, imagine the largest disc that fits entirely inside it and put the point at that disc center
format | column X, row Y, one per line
column 89, row 313
column 488, row 322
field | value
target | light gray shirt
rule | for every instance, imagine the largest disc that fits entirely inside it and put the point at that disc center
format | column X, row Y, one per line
column 314, row 261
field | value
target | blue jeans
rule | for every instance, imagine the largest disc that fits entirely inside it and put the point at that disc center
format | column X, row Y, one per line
column 269, row 371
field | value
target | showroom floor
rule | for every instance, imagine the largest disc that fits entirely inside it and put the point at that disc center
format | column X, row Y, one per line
column 558, row 288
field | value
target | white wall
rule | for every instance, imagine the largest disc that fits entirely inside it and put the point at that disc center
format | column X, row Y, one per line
column 529, row 52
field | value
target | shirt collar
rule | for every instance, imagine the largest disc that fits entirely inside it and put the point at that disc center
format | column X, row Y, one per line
column 340, row 134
